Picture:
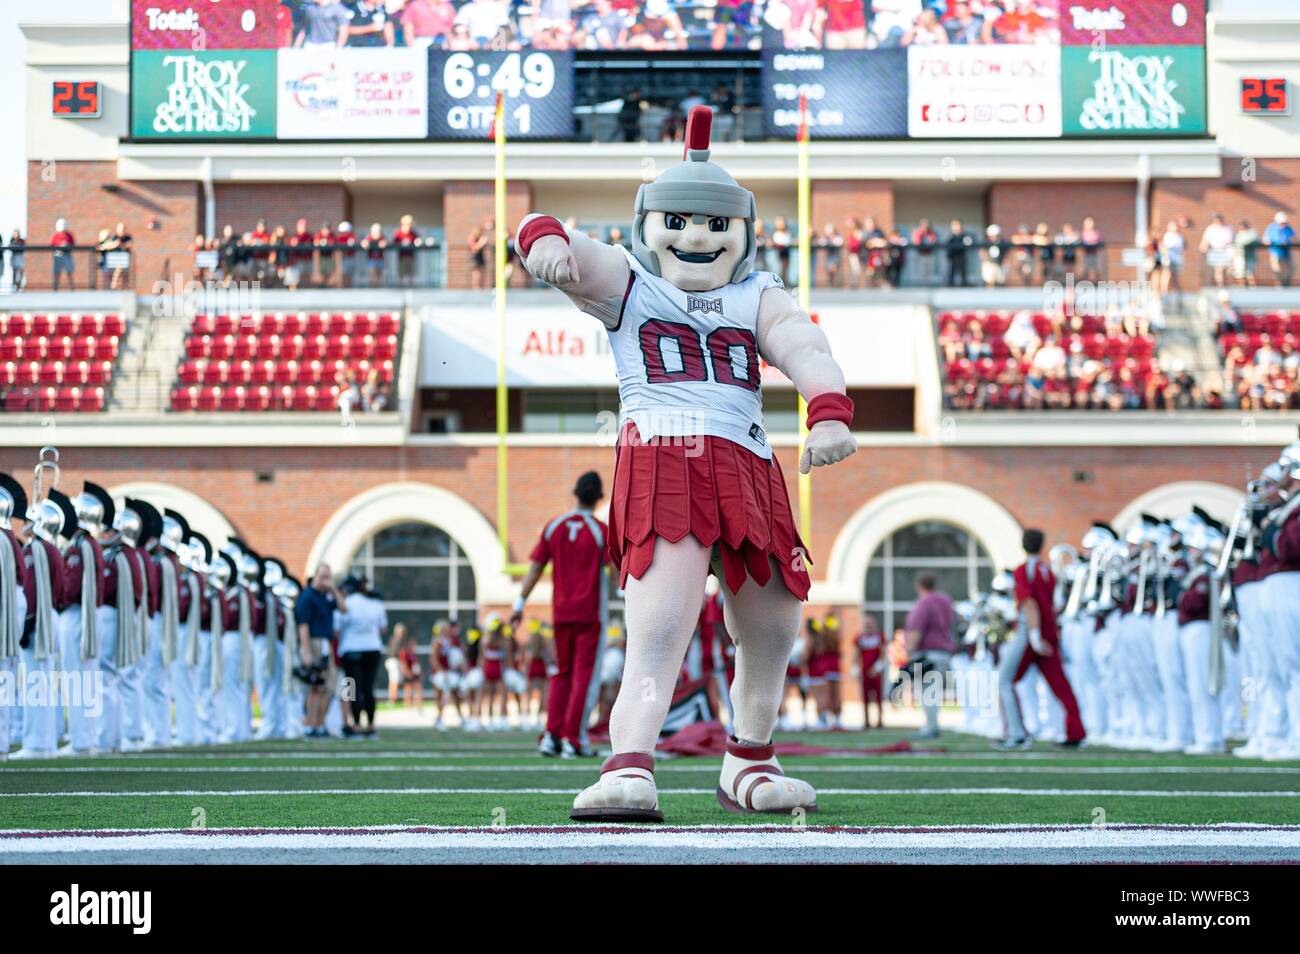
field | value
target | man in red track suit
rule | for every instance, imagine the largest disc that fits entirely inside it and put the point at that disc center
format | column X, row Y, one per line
column 575, row 543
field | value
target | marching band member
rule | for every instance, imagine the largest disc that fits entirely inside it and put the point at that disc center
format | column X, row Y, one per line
column 1281, row 538
column 177, row 540
column 130, row 629
column 293, row 689
column 1172, row 567
column 1196, row 636
column 206, row 707
column 268, row 653
column 16, row 592
column 79, row 624
column 52, row 521
column 240, row 618
column 164, row 631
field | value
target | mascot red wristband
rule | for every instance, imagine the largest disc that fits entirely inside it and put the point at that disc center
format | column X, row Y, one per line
column 537, row 228
column 830, row 407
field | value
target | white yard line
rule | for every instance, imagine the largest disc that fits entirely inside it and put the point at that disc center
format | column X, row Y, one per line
column 298, row 792
column 705, row 837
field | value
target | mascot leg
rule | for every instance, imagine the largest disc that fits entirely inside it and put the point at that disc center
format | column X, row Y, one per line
column 663, row 607
column 763, row 622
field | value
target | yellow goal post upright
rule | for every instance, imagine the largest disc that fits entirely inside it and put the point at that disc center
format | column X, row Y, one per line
column 805, row 302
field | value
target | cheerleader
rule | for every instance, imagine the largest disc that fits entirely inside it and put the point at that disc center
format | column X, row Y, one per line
column 495, row 657
column 795, row 676
column 410, row 671
column 472, row 685
column 871, row 669
column 447, row 659
column 539, row 654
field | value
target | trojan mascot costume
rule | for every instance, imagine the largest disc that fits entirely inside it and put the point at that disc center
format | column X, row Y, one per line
column 696, row 486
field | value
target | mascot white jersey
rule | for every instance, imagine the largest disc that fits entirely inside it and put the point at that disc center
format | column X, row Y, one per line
column 696, row 486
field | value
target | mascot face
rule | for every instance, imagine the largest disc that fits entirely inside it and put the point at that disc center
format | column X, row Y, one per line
column 695, row 252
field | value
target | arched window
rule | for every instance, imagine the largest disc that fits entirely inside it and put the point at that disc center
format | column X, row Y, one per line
column 958, row 561
column 422, row 574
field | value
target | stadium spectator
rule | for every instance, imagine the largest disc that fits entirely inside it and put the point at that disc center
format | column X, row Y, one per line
column 993, row 269
column 1173, row 248
column 1091, row 240
column 120, row 241
column 259, row 256
column 963, row 26
column 958, row 245
column 361, row 635
column 1042, row 242
column 321, row 24
column 925, row 240
column 1244, row 246
column 63, row 241
column 731, row 23
column 427, row 23
column 370, row 24
column 479, row 239
column 1227, row 321
column 1067, row 240
column 1020, row 22
column 873, row 252
column 1217, row 245
column 897, row 257
column 374, row 245
column 346, row 239
column 929, row 643
column 1022, row 260
column 326, row 255
column 1280, row 236
column 17, row 257
column 102, row 245
column 828, row 247
column 926, row 31
column 406, row 238
column 782, row 239
column 278, row 255
column 298, row 259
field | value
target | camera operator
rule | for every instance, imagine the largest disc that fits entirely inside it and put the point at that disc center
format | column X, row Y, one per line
column 361, row 644
column 314, row 612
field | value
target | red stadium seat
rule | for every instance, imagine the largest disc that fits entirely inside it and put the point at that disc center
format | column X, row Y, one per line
column 92, row 400
column 9, row 373
column 316, row 324
column 269, row 323
column 268, row 346
column 40, row 326
column 202, row 325
column 231, row 399
column 112, row 325
column 240, row 372
column 223, row 325
column 338, row 346
column 19, row 400
column 215, row 372
column 184, row 399
column 83, row 348
column 106, row 347
column 315, row 346
column 11, row 348
column 207, row 399
column 339, row 324
column 191, row 372
column 249, row 324
column 385, row 348
column 327, row 399
column 387, row 323
column 286, row 372
column 262, row 372
column 293, row 324
column 64, row 325
column 91, row 373
column 222, row 347
column 1251, row 323
column 198, row 346
column 245, row 347
column 363, row 325
column 51, row 373
column 259, row 399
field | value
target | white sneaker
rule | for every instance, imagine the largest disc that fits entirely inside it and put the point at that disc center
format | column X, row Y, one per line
column 472, row 725
column 1251, row 750
column 30, row 755
column 770, row 791
column 625, row 792
column 1202, row 748
column 132, row 745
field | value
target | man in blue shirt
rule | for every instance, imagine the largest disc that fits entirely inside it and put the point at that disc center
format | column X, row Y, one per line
column 1279, row 237
column 315, row 613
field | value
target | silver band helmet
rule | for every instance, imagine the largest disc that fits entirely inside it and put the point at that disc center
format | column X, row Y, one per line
column 129, row 523
column 223, row 571
column 273, row 571
column 151, row 523
column 95, row 510
column 200, row 552
column 696, row 187
column 53, row 519
column 175, row 531
column 13, row 500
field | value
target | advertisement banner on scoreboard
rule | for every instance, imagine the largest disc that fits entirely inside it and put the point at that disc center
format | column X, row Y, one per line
column 961, row 92
column 463, row 88
column 206, row 94
column 1134, row 91
column 352, row 93
column 851, row 94
column 205, row 25
column 1133, row 22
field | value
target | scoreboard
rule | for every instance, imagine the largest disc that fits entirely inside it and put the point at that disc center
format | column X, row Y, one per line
column 463, row 87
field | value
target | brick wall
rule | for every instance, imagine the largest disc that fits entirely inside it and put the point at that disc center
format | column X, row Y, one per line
column 162, row 217
column 468, row 204
column 281, row 203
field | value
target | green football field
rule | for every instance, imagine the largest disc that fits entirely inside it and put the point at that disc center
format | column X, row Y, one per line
column 417, row 783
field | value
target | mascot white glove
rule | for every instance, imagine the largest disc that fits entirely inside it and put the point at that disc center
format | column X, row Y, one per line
column 551, row 260
column 828, row 442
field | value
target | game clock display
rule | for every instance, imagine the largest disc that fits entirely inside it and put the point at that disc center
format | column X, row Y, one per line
column 463, row 89
column 76, row 99
column 1265, row 96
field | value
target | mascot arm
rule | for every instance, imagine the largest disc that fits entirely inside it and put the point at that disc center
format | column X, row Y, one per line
column 788, row 339
column 592, row 274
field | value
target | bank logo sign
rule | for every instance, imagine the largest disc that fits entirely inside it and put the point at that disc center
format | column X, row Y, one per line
column 203, row 94
column 1134, row 91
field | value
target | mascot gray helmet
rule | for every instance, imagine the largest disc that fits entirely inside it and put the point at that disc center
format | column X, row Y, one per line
column 695, row 187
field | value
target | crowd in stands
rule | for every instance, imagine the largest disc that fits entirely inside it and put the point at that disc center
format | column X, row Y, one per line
column 328, row 256
column 1261, row 364
column 1231, row 254
column 1007, row 360
column 109, row 271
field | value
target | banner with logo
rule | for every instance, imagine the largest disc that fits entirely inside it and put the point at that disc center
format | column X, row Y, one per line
column 1134, row 91
column 203, row 95
column 1133, row 22
column 961, row 92
column 352, row 93
column 208, row 25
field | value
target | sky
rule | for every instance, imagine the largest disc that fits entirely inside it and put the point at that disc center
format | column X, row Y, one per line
column 13, row 147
